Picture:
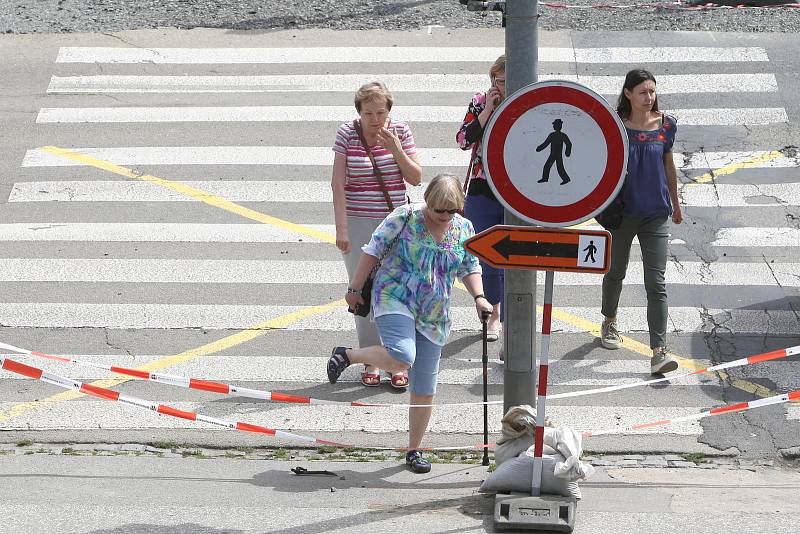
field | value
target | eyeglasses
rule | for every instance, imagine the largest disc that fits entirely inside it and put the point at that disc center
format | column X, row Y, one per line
column 500, row 81
column 441, row 211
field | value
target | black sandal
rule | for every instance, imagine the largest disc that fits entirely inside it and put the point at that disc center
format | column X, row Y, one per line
column 337, row 363
column 417, row 463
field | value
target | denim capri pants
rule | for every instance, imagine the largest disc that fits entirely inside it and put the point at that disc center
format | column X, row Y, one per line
column 403, row 343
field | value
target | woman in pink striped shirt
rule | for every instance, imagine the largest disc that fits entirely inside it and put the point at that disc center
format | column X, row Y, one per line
column 360, row 201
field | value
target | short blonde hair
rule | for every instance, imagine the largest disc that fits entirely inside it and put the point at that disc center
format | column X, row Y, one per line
column 373, row 91
column 444, row 192
column 499, row 66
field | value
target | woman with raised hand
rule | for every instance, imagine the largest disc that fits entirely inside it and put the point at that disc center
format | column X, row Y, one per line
column 650, row 200
column 482, row 208
column 375, row 156
column 422, row 251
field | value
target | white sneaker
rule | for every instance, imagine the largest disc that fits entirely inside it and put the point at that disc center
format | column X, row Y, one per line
column 661, row 362
column 609, row 336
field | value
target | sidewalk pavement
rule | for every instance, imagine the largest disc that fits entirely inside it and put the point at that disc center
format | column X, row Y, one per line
column 130, row 493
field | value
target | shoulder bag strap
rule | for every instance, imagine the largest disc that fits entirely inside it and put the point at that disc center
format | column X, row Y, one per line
column 391, row 245
column 378, row 175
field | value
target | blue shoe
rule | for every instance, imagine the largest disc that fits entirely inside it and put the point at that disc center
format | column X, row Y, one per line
column 417, row 463
column 337, row 363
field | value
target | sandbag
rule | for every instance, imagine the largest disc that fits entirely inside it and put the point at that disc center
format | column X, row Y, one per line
column 513, row 448
column 568, row 442
column 516, row 475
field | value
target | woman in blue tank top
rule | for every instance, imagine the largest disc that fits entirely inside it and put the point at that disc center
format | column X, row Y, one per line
column 650, row 199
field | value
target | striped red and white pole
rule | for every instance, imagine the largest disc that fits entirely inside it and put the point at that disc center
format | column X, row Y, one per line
column 116, row 396
column 544, row 367
column 792, row 396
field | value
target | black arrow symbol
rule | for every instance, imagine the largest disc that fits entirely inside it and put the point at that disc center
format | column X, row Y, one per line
column 506, row 247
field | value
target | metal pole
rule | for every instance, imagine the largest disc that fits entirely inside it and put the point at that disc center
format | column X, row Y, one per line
column 485, row 320
column 520, row 285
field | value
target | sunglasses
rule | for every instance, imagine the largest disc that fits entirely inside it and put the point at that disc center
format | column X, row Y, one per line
column 441, row 211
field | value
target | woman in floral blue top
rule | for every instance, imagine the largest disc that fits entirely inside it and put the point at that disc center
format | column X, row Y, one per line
column 424, row 254
column 650, row 199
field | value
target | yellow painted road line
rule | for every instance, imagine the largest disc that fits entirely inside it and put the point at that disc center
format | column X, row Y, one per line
column 227, row 342
column 193, row 192
column 733, row 167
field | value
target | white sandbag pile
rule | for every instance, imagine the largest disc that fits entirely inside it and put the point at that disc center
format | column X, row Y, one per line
column 561, row 464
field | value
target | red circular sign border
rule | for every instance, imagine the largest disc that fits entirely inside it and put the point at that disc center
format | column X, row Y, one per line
column 552, row 94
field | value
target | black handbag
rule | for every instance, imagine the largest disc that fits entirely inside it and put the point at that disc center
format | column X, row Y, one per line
column 362, row 310
column 611, row 217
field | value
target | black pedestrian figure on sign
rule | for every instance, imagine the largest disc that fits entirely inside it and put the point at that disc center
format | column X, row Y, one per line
column 557, row 139
column 590, row 250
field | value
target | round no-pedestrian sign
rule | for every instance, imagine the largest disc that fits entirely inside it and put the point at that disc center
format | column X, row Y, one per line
column 555, row 153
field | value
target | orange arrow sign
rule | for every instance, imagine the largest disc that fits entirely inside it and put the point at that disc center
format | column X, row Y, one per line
column 546, row 249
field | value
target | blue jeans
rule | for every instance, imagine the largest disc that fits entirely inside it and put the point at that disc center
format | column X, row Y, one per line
column 484, row 213
column 403, row 343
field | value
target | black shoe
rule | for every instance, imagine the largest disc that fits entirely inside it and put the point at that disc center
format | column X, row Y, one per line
column 543, row 180
column 337, row 363
column 565, row 181
column 417, row 463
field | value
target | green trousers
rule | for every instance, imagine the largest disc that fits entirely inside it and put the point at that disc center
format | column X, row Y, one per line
column 653, row 234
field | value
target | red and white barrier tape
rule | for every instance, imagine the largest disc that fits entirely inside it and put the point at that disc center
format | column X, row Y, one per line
column 665, row 5
column 792, row 396
column 228, row 389
column 108, row 394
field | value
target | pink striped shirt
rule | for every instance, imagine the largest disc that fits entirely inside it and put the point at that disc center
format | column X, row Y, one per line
column 362, row 190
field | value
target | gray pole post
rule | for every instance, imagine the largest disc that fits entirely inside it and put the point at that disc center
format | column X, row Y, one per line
column 520, row 285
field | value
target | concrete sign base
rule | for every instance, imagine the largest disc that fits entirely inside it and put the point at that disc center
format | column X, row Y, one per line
column 522, row 511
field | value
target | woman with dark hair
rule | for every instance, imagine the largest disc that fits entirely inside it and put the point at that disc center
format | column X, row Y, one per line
column 482, row 208
column 650, row 198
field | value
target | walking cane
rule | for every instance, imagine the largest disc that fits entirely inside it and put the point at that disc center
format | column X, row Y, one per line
column 484, row 321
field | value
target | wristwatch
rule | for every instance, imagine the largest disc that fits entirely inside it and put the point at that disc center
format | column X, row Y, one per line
column 352, row 291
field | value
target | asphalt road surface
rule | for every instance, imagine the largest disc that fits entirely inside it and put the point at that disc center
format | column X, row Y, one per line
column 99, row 265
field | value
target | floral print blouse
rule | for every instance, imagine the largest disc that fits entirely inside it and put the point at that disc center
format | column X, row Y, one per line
column 646, row 192
column 416, row 278
column 471, row 131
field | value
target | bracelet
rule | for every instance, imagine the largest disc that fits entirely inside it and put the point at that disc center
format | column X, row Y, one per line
column 479, row 296
column 351, row 291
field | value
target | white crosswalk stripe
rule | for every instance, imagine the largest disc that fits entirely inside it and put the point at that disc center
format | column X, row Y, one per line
column 281, row 369
column 283, row 191
column 400, row 83
column 321, row 156
column 333, row 272
column 412, row 114
column 233, row 317
column 179, row 100
column 406, row 54
column 254, row 233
